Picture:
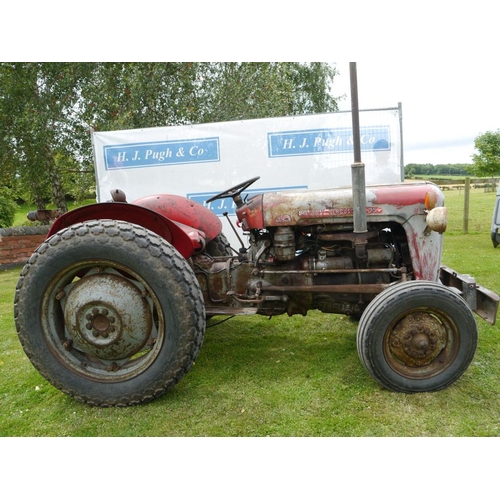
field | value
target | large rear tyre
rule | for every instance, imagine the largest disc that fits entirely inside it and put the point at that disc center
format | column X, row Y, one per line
column 109, row 313
column 418, row 336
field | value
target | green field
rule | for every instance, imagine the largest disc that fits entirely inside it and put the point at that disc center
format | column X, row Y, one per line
column 297, row 376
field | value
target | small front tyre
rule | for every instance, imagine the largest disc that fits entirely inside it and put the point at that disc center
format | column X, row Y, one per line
column 417, row 336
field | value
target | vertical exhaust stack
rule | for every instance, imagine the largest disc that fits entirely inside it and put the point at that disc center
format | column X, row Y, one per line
column 358, row 167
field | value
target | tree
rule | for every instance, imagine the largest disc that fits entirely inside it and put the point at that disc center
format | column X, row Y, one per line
column 39, row 120
column 137, row 95
column 48, row 109
column 238, row 91
column 7, row 208
column 487, row 162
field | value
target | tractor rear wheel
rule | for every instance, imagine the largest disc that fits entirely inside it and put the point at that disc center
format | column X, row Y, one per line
column 418, row 336
column 109, row 313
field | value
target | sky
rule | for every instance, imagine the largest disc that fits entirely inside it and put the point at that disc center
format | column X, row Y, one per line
column 445, row 104
column 439, row 59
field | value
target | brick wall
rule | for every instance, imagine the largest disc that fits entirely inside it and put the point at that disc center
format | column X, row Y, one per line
column 18, row 243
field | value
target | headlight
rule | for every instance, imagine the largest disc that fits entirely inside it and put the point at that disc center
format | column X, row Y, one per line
column 437, row 219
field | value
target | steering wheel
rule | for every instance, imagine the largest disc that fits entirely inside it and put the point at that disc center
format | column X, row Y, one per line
column 234, row 191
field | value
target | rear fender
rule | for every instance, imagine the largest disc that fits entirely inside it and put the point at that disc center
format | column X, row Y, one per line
column 185, row 239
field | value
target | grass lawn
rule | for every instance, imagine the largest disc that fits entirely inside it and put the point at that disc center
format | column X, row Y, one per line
column 297, row 376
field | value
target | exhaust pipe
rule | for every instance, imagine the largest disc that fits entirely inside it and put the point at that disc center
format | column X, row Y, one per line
column 358, row 167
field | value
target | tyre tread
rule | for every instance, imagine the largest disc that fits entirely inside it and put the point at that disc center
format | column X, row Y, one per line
column 382, row 303
column 165, row 258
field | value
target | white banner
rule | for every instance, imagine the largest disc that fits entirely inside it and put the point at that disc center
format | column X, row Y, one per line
column 198, row 161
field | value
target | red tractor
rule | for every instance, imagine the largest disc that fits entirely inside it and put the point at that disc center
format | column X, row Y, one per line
column 111, row 308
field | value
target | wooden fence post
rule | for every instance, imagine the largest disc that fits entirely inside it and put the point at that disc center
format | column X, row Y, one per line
column 466, row 205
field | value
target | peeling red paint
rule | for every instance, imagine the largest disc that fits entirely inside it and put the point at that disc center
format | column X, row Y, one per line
column 425, row 256
column 185, row 211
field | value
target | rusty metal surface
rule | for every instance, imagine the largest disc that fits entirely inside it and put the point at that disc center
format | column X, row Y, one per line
column 422, row 342
column 43, row 215
column 357, row 167
column 231, row 311
column 213, row 278
column 314, row 272
column 354, row 289
column 418, row 339
column 107, row 316
column 482, row 301
column 251, row 214
column 388, row 202
column 402, row 204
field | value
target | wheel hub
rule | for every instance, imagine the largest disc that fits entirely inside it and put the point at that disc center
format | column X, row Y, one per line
column 101, row 327
column 417, row 339
column 107, row 316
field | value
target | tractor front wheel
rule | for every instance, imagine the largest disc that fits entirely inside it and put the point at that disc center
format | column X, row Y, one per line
column 418, row 336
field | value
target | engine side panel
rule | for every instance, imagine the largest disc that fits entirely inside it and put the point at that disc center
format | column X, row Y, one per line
column 403, row 204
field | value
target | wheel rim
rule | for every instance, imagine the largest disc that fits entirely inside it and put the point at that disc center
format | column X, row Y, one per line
column 421, row 343
column 102, row 321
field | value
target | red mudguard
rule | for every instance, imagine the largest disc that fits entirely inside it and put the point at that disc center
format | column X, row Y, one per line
column 185, row 211
column 184, row 238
